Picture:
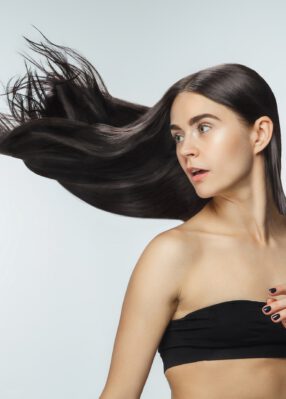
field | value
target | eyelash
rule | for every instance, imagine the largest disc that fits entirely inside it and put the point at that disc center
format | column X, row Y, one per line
column 200, row 124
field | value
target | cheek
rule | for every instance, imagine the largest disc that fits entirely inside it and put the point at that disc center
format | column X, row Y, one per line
column 231, row 155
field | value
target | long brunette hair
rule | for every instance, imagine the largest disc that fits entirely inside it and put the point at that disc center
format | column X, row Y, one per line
column 113, row 154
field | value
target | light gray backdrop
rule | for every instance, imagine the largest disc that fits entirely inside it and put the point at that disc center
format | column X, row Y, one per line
column 65, row 265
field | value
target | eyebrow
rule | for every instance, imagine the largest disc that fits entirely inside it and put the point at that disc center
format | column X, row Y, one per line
column 195, row 119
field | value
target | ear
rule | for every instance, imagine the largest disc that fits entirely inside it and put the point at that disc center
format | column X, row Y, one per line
column 261, row 133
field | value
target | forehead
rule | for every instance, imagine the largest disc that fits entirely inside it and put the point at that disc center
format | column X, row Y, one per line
column 188, row 104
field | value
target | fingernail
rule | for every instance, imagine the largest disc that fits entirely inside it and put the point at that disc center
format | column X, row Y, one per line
column 267, row 309
column 272, row 290
column 275, row 316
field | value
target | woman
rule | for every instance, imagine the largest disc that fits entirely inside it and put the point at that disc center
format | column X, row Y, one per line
column 197, row 292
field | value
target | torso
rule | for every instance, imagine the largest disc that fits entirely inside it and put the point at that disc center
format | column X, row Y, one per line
column 219, row 268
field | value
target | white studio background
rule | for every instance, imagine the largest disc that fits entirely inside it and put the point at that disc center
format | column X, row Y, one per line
column 65, row 265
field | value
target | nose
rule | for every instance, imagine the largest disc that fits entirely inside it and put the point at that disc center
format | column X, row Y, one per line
column 188, row 147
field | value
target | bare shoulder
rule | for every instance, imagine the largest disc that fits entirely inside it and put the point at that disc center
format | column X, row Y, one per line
column 172, row 240
column 165, row 257
column 178, row 247
column 172, row 247
column 180, row 237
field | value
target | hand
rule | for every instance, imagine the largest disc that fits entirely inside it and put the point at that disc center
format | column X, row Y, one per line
column 278, row 306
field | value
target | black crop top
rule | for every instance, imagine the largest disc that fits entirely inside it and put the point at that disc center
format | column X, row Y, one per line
column 233, row 329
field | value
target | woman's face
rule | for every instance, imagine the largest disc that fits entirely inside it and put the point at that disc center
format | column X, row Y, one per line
column 221, row 145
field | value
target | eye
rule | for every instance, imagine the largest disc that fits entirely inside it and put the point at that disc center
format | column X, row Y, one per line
column 174, row 137
column 203, row 124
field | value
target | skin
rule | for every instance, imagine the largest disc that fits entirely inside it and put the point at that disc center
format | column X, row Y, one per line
column 242, row 210
column 241, row 203
column 233, row 248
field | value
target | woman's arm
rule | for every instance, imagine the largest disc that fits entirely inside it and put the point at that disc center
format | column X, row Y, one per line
column 149, row 303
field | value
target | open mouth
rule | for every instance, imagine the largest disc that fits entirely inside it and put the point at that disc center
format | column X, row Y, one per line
column 201, row 171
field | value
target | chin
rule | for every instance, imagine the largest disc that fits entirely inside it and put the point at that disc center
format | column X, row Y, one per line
column 204, row 196
column 204, row 193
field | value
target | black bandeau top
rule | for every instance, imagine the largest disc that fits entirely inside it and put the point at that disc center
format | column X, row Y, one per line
column 233, row 329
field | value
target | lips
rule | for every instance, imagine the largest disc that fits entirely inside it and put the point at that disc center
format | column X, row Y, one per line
column 199, row 171
column 198, row 175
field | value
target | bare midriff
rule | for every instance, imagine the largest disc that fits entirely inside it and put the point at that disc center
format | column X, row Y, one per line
column 254, row 378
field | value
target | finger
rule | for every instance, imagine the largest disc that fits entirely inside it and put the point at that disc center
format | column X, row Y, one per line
column 283, row 321
column 269, row 300
column 279, row 289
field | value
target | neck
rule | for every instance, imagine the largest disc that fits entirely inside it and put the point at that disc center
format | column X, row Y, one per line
column 251, row 213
